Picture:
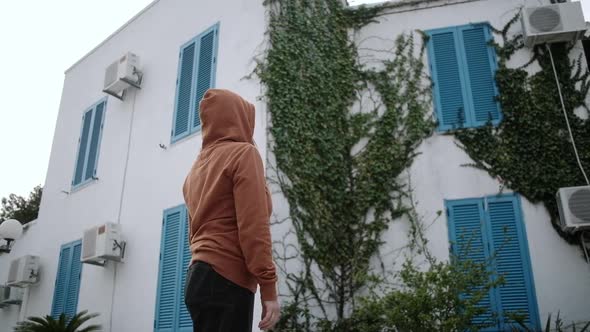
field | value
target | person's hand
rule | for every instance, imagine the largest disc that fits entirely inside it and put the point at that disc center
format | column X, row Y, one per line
column 271, row 311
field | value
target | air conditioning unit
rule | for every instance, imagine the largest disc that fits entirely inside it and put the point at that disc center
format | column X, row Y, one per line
column 122, row 74
column 102, row 243
column 553, row 23
column 23, row 271
column 574, row 208
column 10, row 296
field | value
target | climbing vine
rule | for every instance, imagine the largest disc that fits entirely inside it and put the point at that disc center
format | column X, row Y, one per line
column 530, row 151
column 338, row 165
column 341, row 134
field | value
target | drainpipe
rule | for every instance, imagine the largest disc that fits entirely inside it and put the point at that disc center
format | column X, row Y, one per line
column 23, row 307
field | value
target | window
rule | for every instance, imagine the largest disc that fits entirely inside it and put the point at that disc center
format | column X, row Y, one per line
column 491, row 230
column 175, row 255
column 196, row 74
column 89, row 144
column 462, row 66
column 67, row 282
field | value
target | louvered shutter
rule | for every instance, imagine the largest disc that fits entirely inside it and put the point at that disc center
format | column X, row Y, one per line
column 479, row 70
column 75, row 273
column 184, row 91
column 89, row 144
column 512, row 260
column 196, row 74
column 468, row 241
column 61, row 282
column 206, row 70
column 168, row 280
column 94, row 141
column 449, row 92
column 185, row 323
column 67, row 283
column 82, row 147
column 463, row 67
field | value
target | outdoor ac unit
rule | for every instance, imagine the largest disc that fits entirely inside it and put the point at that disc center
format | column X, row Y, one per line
column 23, row 271
column 10, row 296
column 574, row 208
column 122, row 74
column 102, row 243
column 553, row 23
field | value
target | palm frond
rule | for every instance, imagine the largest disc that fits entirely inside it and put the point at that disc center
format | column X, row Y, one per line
column 62, row 324
column 91, row 328
column 79, row 320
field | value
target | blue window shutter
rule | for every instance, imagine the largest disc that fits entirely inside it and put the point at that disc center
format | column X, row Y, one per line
column 170, row 264
column 449, row 90
column 61, row 282
column 479, row 70
column 89, row 144
column 94, row 141
column 469, row 242
column 512, row 260
column 185, row 323
column 82, row 147
column 67, row 283
column 184, row 91
column 73, row 290
column 206, row 69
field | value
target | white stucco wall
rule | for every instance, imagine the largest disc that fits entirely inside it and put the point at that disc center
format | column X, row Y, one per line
column 560, row 274
column 154, row 176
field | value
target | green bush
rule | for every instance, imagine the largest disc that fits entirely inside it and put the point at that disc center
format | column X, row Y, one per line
column 443, row 297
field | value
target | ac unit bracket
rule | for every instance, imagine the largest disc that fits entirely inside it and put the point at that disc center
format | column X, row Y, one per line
column 122, row 245
column 135, row 84
column 120, row 97
column 139, row 79
column 102, row 263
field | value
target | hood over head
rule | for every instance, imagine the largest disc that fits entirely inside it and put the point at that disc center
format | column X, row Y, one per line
column 225, row 116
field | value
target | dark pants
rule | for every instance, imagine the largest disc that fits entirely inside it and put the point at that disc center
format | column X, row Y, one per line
column 215, row 303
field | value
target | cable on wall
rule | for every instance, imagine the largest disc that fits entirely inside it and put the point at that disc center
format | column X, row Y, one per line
column 567, row 121
column 122, row 195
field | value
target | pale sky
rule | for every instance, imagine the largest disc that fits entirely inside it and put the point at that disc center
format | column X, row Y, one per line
column 40, row 39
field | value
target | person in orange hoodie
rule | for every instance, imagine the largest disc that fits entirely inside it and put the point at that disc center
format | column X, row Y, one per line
column 229, row 207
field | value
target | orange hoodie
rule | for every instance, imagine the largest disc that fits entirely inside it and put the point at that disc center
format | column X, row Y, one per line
column 228, row 202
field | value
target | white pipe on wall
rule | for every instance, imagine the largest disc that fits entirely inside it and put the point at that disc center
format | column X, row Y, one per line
column 23, row 307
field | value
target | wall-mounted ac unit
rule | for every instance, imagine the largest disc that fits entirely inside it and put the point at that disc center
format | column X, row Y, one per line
column 102, row 243
column 122, row 74
column 553, row 23
column 574, row 208
column 10, row 296
column 23, row 271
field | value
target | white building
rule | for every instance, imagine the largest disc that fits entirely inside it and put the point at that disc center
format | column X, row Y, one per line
column 125, row 161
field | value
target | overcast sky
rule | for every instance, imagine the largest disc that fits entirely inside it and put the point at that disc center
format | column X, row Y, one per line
column 40, row 40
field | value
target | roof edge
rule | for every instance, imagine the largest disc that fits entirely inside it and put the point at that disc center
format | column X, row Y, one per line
column 135, row 17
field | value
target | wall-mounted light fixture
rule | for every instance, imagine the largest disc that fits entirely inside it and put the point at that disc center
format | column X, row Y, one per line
column 10, row 230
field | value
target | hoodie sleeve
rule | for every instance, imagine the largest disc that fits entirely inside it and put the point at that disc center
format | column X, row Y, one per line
column 249, row 189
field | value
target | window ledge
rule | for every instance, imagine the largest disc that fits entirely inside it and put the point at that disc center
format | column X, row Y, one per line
column 194, row 133
column 82, row 185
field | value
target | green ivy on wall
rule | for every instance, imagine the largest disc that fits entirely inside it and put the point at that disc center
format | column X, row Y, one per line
column 530, row 151
column 342, row 134
column 339, row 169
